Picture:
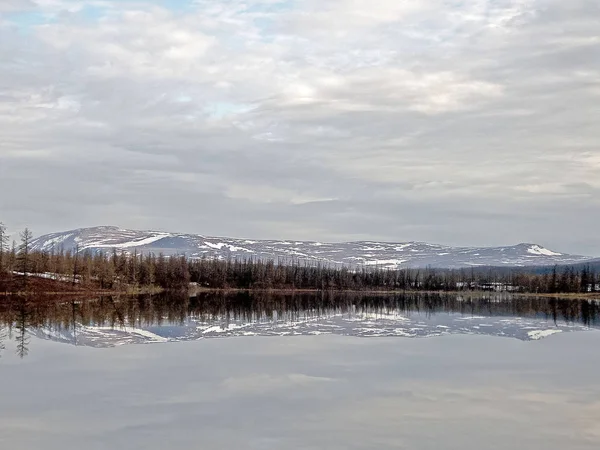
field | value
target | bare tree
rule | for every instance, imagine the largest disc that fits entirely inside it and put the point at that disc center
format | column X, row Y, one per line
column 24, row 255
column 75, row 266
column 3, row 245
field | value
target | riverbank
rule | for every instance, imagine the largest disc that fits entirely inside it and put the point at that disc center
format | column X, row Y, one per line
column 18, row 285
column 476, row 293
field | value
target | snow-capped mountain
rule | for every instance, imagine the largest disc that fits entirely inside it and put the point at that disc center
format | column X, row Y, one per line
column 363, row 253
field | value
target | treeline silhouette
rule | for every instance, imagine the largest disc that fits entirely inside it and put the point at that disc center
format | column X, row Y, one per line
column 116, row 269
column 21, row 315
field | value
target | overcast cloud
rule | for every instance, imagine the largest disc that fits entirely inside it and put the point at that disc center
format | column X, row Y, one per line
column 466, row 123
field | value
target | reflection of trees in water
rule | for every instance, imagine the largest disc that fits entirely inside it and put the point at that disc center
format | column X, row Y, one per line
column 21, row 314
column 156, row 310
column 15, row 316
column 3, row 336
column 250, row 307
column 21, row 324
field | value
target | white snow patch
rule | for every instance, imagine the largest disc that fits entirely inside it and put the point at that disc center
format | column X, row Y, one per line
column 381, row 262
column 232, row 248
column 539, row 334
column 49, row 276
column 145, row 333
column 145, row 241
column 403, row 332
column 371, row 249
column 50, row 243
column 541, row 251
column 224, row 329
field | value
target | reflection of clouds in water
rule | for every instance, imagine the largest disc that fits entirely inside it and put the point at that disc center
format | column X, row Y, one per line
column 485, row 417
column 264, row 383
column 458, row 392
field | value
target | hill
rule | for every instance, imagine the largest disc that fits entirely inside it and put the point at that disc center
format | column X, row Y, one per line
column 361, row 253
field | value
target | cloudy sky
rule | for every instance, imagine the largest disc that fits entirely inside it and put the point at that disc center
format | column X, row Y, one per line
column 458, row 122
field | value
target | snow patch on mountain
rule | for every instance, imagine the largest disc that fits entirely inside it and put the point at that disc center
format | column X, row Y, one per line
column 364, row 253
column 537, row 250
column 384, row 262
column 231, row 248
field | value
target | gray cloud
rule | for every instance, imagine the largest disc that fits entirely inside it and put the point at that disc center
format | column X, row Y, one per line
column 471, row 124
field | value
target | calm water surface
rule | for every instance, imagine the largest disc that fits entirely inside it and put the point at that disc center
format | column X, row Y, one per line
column 110, row 322
column 495, row 373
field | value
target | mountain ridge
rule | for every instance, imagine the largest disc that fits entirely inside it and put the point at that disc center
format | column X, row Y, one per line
column 353, row 253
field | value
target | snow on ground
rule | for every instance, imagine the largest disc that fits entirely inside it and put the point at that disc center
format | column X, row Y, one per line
column 138, row 331
column 126, row 244
column 53, row 242
column 48, row 276
column 384, row 262
column 231, row 248
column 223, row 328
column 539, row 334
column 541, row 251
column 146, row 241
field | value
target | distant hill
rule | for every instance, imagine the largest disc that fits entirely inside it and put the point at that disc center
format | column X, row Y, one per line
column 362, row 253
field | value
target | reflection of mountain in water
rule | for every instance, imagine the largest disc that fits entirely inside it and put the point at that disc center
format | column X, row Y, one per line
column 109, row 322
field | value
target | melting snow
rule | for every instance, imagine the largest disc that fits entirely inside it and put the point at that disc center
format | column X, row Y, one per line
column 144, row 333
column 541, row 251
column 232, row 248
column 51, row 243
column 146, row 241
column 378, row 262
column 539, row 334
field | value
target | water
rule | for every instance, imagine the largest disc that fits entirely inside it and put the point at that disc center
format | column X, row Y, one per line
column 491, row 373
column 109, row 322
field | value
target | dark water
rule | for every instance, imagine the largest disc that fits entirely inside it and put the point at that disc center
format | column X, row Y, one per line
column 108, row 322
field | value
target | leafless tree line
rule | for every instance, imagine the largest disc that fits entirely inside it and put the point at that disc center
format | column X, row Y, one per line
column 113, row 269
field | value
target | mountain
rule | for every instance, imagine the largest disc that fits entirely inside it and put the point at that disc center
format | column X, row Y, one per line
column 363, row 253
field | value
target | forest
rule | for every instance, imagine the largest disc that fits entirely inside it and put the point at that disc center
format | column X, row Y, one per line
column 21, row 270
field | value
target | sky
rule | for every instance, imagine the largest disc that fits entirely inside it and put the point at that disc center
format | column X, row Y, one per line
column 456, row 122
column 306, row 392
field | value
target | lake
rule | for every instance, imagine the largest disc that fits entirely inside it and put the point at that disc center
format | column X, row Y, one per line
column 300, row 372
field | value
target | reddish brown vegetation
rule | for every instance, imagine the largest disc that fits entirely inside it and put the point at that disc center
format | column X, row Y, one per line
column 18, row 284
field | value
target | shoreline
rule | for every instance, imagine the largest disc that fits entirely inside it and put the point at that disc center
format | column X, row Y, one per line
column 153, row 290
column 82, row 293
column 572, row 295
